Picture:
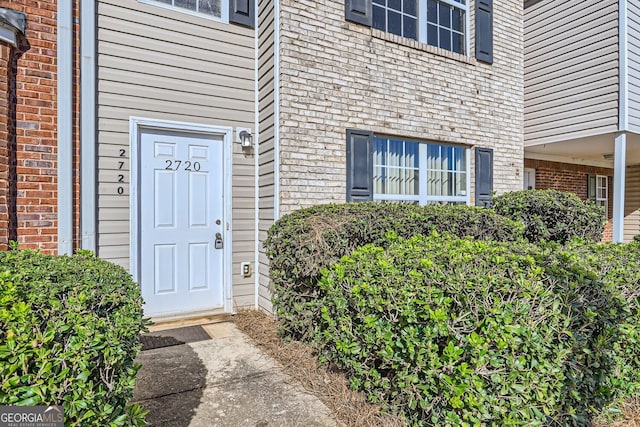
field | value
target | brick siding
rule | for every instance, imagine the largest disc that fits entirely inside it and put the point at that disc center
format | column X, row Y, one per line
column 572, row 178
column 33, row 129
column 6, row 53
column 337, row 75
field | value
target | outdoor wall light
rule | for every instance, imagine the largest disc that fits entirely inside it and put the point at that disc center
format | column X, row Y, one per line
column 246, row 139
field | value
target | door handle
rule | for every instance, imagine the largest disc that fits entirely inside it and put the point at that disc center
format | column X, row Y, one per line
column 218, row 241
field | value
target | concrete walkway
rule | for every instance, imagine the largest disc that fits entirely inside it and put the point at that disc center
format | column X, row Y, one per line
column 221, row 381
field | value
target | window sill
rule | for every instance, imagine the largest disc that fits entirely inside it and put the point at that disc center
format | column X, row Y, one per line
column 414, row 44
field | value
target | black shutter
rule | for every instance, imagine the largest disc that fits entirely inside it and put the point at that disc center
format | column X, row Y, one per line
column 358, row 11
column 591, row 187
column 484, row 176
column 242, row 12
column 484, row 31
column 359, row 166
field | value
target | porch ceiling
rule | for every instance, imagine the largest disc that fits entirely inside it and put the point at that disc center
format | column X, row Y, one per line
column 590, row 149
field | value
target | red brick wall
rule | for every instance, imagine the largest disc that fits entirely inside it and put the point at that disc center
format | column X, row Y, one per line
column 35, row 103
column 5, row 77
column 572, row 178
column 36, row 134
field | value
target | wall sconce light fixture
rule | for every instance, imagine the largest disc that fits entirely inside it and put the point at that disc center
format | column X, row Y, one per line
column 245, row 136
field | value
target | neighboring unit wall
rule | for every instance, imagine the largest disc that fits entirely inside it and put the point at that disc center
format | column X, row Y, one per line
column 632, row 203
column 571, row 70
column 633, row 39
column 6, row 131
column 338, row 75
column 157, row 63
column 31, row 129
column 267, row 123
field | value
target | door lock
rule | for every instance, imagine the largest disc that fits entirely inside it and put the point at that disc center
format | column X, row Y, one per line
column 218, row 241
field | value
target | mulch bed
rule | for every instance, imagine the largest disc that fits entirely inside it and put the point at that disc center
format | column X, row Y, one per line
column 299, row 362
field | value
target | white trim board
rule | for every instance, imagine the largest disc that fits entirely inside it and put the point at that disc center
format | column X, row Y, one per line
column 135, row 124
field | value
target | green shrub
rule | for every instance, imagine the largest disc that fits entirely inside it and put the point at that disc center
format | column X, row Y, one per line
column 69, row 333
column 619, row 265
column 454, row 332
column 302, row 243
column 552, row 215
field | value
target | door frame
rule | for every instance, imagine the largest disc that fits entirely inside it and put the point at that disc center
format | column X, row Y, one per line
column 136, row 126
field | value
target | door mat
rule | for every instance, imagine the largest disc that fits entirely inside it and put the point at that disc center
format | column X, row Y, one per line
column 172, row 337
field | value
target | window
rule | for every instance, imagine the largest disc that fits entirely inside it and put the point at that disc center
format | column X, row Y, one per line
column 446, row 23
column 398, row 17
column 440, row 23
column 241, row 12
column 529, row 179
column 598, row 191
column 602, row 192
column 211, row 8
column 419, row 172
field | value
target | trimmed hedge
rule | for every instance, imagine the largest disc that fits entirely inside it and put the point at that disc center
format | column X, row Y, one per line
column 552, row 215
column 454, row 332
column 304, row 242
column 619, row 265
column 69, row 333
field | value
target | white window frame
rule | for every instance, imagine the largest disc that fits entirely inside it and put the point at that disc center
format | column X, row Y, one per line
column 224, row 10
column 386, row 8
column 422, row 21
column 603, row 201
column 423, row 198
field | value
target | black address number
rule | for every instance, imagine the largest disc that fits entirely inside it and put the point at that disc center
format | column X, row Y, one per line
column 174, row 165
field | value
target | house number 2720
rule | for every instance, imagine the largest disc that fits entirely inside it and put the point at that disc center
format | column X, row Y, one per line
column 174, row 165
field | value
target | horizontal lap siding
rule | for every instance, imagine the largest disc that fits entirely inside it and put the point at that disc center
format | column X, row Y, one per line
column 163, row 64
column 266, row 183
column 634, row 65
column 571, row 70
column 632, row 203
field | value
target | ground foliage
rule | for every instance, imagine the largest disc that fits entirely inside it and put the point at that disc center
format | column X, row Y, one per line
column 69, row 333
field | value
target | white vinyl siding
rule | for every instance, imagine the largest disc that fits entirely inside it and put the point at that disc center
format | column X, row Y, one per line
column 267, row 120
column 571, row 70
column 633, row 38
column 163, row 64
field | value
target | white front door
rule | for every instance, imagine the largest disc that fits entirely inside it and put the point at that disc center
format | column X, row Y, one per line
column 181, row 217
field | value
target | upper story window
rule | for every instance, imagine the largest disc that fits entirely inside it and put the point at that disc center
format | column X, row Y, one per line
column 211, row 8
column 440, row 23
column 398, row 17
column 446, row 24
column 241, row 12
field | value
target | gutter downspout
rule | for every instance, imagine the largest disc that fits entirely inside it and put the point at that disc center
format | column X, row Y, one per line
column 256, row 164
column 276, row 110
column 65, row 126
column 620, row 150
column 88, row 138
